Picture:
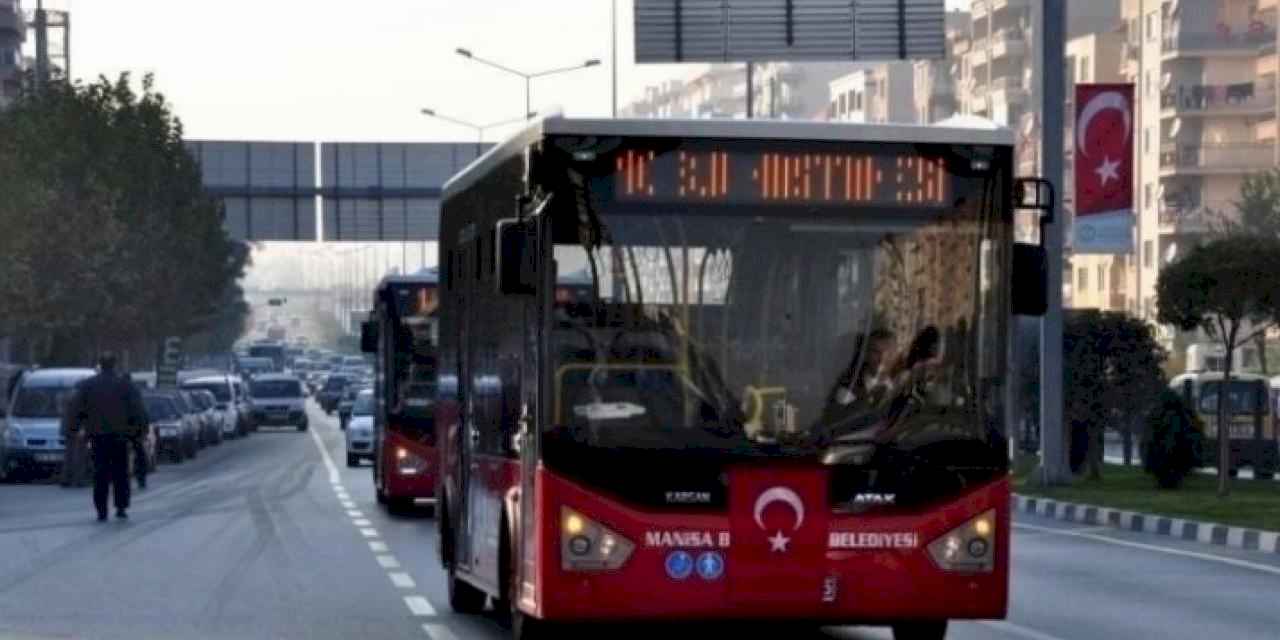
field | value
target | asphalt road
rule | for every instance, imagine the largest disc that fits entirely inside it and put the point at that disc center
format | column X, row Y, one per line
column 254, row 540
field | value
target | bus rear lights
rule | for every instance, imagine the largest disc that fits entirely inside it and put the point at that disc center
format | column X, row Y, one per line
column 409, row 463
column 969, row 548
column 588, row 546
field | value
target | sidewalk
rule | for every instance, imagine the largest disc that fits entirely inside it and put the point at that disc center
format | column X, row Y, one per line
column 1205, row 532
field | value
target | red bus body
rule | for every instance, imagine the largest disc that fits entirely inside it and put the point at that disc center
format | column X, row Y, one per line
column 400, row 331
column 535, row 514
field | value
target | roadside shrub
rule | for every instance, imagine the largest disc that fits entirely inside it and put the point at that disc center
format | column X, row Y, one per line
column 1174, row 442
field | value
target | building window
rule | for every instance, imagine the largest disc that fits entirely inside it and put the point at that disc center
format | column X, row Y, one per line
column 1082, row 279
column 1146, row 83
column 844, row 105
column 1146, row 254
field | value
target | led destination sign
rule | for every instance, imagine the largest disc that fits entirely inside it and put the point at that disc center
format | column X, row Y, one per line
column 767, row 177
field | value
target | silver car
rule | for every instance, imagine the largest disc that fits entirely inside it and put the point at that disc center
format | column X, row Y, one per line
column 360, row 429
column 31, row 435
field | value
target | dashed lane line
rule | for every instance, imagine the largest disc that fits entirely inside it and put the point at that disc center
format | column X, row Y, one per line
column 354, row 513
column 388, row 562
column 369, row 532
column 1017, row 630
column 402, row 580
column 1243, row 564
column 324, row 453
column 438, row 632
column 362, row 522
column 419, row 606
column 377, row 546
column 347, row 504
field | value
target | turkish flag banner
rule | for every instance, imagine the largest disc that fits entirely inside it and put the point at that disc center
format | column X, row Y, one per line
column 1104, row 133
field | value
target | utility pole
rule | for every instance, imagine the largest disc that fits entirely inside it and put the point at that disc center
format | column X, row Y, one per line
column 1051, row 26
column 42, row 47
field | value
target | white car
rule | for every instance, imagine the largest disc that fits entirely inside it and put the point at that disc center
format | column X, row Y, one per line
column 226, row 393
column 360, row 429
column 278, row 400
column 32, row 434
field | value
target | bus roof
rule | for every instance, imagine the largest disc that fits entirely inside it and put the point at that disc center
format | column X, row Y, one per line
column 956, row 131
column 1211, row 376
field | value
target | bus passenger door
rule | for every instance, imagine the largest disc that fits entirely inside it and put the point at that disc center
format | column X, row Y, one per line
column 467, row 435
column 536, row 313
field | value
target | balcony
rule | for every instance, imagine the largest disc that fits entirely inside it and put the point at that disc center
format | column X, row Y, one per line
column 1200, row 217
column 12, row 21
column 1216, row 158
column 1245, row 98
column 1011, row 86
column 1008, row 43
column 1238, row 43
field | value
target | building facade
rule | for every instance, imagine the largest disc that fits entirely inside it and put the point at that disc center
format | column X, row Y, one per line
column 13, row 33
column 781, row 90
column 1205, row 73
column 882, row 92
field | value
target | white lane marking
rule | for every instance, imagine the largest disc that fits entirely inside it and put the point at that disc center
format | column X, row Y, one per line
column 339, row 489
column 401, row 580
column 355, row 514
column 343, row 495
column 377, row 546
column 369, row 533
column 388, row 562
column 438, row 632
column 1243, row 564
column 419, row 606
column 347, row 504
column 362, row 522
column 334, row 477
column 1017, row 630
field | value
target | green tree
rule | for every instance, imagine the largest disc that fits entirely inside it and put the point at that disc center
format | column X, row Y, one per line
column 1258, row 214
column 1112, row 375
column 110, row 239
column 1230, row 288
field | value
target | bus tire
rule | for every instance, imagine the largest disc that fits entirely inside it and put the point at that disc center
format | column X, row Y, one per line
column 933, row 630
column 464, row 598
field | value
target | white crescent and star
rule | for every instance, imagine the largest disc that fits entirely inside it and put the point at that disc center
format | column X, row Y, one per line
column 779, row 541
column 1107, row 171
column 1096, row 105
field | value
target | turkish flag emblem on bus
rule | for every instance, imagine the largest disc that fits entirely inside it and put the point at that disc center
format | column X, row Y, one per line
column 1104, row 149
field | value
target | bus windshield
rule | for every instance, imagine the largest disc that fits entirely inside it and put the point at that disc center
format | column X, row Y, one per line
column 1245, row 398
column 411, row 391
column 860, row 336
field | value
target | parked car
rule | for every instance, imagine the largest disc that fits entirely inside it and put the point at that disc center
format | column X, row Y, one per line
column 213, row 417
column 191, row 423
column 360, row 429
column 31, row 437
column 331, row 392
column 244, row 404
column 169, row 425
column 225, row 393
column 278, row 400
column 253, row 367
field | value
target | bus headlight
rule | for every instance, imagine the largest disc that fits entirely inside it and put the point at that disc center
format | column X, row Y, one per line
column 588, row 546
column 969, row 548
column 409, row 463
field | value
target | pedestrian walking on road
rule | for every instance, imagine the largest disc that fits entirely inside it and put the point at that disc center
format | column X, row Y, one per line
column 111, row 411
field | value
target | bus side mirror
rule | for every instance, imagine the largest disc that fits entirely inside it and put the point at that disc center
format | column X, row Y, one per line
column 515, row 260
column 1030, row 275
column 368, row 337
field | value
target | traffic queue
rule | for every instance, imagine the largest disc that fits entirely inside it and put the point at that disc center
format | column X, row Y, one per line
column 202, row 408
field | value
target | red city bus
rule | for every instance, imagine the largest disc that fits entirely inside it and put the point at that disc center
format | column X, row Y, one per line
column 401, row 331
column 775, row 389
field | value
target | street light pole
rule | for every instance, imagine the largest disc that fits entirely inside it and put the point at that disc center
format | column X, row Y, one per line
column 527, row 75
column 479, row 128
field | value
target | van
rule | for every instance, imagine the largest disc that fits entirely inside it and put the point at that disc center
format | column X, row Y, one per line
column 31, row 437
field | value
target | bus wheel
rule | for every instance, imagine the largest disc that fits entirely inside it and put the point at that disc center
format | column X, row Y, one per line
column 464, row 598
column 920, row 631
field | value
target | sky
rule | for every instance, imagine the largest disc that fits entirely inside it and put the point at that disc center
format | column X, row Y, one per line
column 358, row 70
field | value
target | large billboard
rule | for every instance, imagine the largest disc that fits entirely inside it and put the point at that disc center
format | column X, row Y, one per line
column 390, row 192
column 1104, row 203
column 777, row 30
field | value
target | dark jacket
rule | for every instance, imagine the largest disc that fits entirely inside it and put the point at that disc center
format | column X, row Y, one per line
column 108, row 404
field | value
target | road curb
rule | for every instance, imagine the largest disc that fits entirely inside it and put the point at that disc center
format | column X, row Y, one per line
column 1205, row 532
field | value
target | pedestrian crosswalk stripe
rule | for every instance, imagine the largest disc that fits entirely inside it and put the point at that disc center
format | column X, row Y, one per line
column 438, row 632
column 419, row 606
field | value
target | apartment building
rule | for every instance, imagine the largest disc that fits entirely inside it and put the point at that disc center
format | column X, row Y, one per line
column 882, row 92
column 1092, row 281
column 13, row 32
column 935, row 81
column 1206, row 76
column 782, row 90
